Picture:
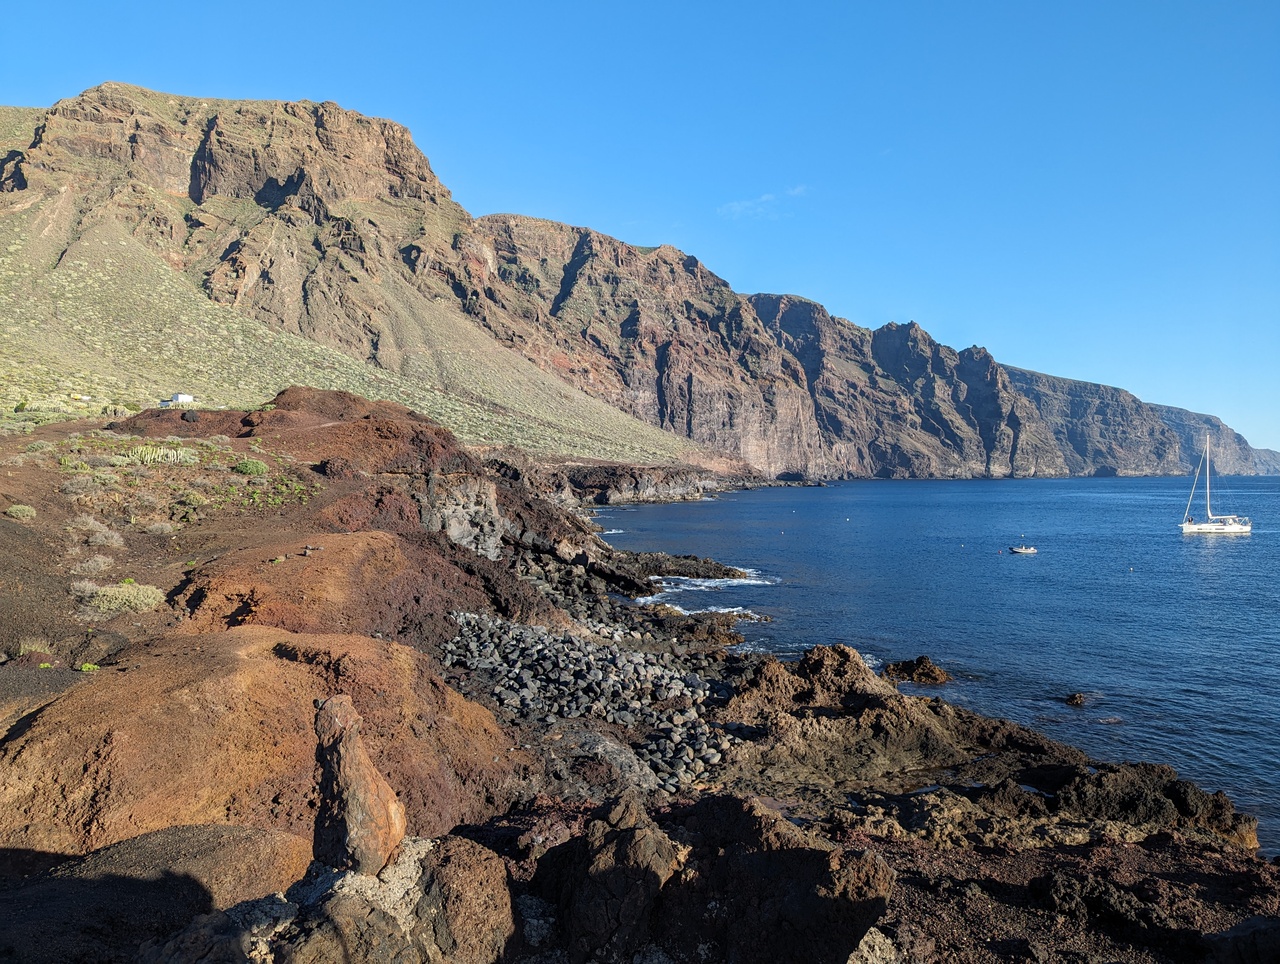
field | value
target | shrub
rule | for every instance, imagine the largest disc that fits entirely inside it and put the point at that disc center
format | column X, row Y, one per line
column 84, row 588
column 93, row 566
column 20, row 512
column 126, row 598
column 159, row 529
column 252, row 467
column 106, row 537
column 30, row 644
column 89, row 667
column 78, row 485
column 155, row 455
column 39, row 446
column 142, row 503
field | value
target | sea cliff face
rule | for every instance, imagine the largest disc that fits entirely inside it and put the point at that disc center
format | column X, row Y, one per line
column 1102, row 430
column 776, row 380
column 228, row 246
column 1232, row 454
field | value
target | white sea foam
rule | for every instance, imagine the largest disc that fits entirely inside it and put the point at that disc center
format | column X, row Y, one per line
column 612, row 532
column 674, row 586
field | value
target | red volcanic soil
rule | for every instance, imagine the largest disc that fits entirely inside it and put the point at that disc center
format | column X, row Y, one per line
column 202, row 712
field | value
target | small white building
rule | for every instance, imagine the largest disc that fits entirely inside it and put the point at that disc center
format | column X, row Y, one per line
column 177, row 398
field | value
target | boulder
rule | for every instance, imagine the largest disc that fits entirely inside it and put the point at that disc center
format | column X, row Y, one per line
column 919, row 670
column 465, row 913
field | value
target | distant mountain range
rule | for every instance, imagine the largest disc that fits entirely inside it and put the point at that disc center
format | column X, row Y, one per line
column 152, row 244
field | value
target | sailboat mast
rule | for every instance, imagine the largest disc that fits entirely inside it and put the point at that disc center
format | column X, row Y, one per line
column 1208, row 471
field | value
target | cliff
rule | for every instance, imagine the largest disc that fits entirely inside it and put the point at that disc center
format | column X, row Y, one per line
column 775, row 380
column 1232, row 454
column 1102, row 430
column 225, row 250
column 151, row 243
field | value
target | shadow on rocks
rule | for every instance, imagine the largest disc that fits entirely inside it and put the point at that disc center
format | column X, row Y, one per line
column 686, row 886
column 60, row 917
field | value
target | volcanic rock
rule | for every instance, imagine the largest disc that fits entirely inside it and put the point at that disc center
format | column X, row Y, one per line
column 687, row 885
column 218, row 728
column 437, row 901
column 919, row 670
column 806, row 800
column 102, row 906
column 359, row 821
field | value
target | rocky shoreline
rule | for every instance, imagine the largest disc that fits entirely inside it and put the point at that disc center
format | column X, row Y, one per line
column 542, row 677
column 411, row 712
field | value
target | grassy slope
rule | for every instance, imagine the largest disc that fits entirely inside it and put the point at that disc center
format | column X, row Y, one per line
column 88, row 307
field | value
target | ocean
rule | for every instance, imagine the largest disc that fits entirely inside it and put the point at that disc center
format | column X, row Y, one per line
column 1174, row 639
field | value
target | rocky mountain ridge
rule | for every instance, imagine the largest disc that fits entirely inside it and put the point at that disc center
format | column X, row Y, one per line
column 321, row 243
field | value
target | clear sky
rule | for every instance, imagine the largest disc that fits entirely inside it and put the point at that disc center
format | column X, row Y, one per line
column 1088, row 189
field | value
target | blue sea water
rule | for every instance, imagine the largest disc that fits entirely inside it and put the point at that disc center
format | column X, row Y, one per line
column 1174, row 639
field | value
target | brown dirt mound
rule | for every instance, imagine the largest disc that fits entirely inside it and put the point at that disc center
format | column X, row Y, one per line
column 361, row 582
column 352, row 432
column 217, row 728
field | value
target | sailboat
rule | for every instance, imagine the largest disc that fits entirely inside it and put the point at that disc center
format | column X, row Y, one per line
column 1230, row 524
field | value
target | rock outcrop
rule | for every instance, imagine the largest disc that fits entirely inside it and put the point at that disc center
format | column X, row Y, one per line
column 438, row 901
column 827, row 730
column 919, row 670
column 629, row 886
column 218, row 728
column 359, row 820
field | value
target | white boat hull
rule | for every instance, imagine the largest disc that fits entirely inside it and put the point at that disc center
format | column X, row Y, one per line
column 1224, row 526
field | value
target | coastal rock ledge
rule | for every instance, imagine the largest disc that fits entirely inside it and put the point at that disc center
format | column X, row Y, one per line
column 369, row 696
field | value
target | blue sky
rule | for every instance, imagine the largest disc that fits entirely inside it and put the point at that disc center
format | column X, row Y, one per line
column 1087, row 189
